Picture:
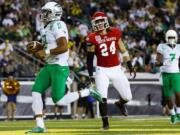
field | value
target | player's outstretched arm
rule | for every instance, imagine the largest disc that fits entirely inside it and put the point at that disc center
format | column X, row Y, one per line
column 126, row 57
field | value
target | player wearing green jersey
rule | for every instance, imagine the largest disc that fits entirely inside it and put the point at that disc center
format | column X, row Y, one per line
column 168, row 55
column 55, row 73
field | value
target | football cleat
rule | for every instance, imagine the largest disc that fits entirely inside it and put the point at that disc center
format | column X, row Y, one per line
column 36, row 130
column 105, row 128
column 95, row 94
column 122, row 108
column 173, row 119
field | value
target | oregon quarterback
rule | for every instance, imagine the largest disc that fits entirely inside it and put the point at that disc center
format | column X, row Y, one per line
column 55, row 51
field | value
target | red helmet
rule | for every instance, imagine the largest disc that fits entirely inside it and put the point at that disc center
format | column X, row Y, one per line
column 99, row 21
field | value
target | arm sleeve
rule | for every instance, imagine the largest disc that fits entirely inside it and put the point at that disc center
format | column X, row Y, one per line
column 90, row 55
column 90, row 58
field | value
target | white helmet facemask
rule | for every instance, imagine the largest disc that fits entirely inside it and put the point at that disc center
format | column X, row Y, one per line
column 171, row 37
column 51, row 11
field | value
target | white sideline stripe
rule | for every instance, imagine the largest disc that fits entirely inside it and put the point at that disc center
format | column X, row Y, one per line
column 146, row 82
column 23, row 82
column 22, row 116
column 131, row 82
column 26, row 82
column 28, row 99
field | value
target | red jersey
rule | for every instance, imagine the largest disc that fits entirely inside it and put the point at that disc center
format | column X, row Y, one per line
column 106, row 47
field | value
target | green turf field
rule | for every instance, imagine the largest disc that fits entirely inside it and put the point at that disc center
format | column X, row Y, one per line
column 118, row 126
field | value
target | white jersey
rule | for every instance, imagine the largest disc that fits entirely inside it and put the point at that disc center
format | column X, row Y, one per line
column 170, row 58
column 49, row 35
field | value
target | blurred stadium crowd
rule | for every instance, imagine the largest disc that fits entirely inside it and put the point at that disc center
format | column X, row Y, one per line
column 143, row 23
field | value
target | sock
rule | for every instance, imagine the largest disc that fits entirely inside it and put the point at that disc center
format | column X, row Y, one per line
column 103, row 112
column 105, row 121
column 68, row 98
column 172, row 111
column 84, row 92
column 178, row 110
column 37, row 106
column 103, row 107
column 40, row 122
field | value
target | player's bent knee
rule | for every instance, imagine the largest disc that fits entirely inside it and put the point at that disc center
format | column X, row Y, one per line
column 57, row 99
column 62, row 102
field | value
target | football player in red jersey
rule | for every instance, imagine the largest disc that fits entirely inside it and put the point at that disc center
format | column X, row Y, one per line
column 105, row 42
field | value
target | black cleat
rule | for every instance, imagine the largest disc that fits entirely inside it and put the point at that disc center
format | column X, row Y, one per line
column 105, row 128
column 122, row 108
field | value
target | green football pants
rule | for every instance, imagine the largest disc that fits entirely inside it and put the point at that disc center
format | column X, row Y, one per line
column 52, row 75
column 171, row 83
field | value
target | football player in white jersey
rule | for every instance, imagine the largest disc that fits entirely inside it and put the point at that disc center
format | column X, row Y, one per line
column 55, row 72
column 168, row 55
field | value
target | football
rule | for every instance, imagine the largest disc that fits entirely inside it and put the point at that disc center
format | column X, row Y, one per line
column 34, row 46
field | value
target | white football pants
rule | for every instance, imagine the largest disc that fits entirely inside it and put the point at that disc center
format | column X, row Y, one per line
column 117, row 77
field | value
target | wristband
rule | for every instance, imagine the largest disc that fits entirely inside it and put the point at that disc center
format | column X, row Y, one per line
column 129, row 65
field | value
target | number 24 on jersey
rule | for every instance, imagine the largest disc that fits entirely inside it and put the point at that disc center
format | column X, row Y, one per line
column 104, row 49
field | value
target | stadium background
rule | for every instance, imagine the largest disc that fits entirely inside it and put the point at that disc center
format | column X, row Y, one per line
column 143, row 23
